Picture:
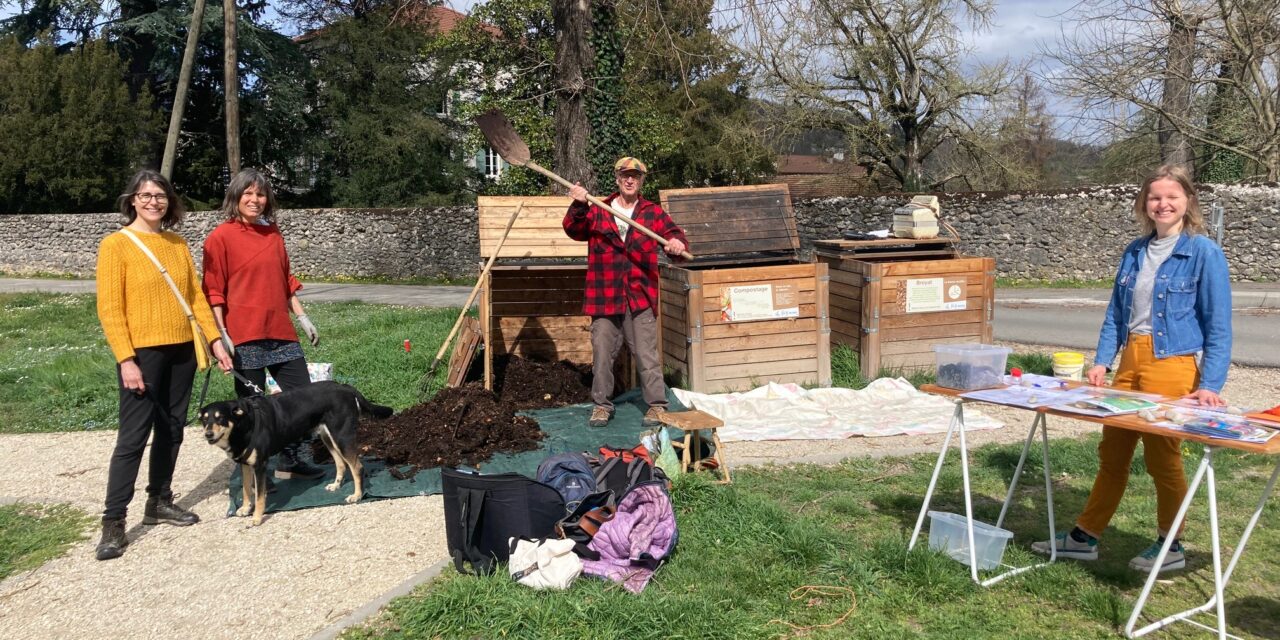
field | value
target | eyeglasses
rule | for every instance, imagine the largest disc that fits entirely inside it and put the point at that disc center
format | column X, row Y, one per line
column 148, row 197
column 630, row 176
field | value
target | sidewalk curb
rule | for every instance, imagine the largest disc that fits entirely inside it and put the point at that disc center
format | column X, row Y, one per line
column 374, row 606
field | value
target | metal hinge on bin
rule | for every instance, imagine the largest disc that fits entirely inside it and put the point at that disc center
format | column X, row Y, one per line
column 826, row 278
column 866, row 279
column 690, row 287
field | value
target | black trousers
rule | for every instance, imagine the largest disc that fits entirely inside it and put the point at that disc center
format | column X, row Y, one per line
column 290, row 375
column 167, row 372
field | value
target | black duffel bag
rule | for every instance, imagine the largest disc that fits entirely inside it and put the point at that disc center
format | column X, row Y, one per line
column 483, row 512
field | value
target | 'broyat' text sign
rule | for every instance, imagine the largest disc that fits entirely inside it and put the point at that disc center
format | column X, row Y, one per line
column 935, row 294
column 759, row 302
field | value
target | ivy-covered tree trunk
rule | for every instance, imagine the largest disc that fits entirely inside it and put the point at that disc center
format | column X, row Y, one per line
column 1175, row 148
column 604, row 108
column 573, row 57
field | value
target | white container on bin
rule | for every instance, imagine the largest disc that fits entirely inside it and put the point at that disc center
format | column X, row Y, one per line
column 970, row 366
column 948, row 534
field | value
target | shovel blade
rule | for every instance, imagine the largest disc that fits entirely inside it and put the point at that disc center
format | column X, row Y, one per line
column 503, row 138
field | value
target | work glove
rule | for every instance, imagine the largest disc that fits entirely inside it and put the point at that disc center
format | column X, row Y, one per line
column 309, row 329
column 226, row 342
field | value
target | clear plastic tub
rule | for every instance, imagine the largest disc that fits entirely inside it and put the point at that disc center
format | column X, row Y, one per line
column 970, row 366
column 947, row 533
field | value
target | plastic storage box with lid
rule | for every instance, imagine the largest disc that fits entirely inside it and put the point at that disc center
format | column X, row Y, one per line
column 948, row 534
column 970, row 366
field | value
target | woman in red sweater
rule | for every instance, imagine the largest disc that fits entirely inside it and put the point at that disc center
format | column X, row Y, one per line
column 251, row 289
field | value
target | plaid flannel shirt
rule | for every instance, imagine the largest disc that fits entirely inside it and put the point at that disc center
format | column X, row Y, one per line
column 621, row 276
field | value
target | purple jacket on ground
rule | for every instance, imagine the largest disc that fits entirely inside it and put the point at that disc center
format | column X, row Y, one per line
column 636, row 540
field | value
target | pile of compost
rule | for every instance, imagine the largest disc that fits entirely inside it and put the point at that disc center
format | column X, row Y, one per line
column 467, row 425
column 529, row 384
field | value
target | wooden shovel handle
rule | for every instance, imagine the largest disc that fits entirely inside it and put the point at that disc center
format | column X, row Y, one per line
column 618, row 215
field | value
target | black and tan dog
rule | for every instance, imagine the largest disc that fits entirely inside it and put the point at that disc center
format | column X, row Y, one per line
column 251, row 430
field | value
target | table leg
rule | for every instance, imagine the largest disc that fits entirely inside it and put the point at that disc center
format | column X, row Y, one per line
column 1205, row 463
column 1217, row 600
column 937, row 469
column 968, row 503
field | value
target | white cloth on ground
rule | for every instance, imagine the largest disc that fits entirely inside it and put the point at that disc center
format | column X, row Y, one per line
column 886, row 407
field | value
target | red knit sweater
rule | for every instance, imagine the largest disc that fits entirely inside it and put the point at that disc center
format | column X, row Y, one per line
column 246, row 270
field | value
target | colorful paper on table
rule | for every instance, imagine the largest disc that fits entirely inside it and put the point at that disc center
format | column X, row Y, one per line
column 1224, row 429
column 1104, row 406
column 1027, row 397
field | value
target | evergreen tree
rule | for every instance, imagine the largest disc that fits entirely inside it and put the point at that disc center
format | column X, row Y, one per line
column 71, row 132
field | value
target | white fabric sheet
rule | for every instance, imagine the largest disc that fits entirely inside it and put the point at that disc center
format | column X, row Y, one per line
column 886, row 407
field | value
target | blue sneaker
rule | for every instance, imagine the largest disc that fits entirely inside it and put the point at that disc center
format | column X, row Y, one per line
column 1068, row 547
column 1174, row 560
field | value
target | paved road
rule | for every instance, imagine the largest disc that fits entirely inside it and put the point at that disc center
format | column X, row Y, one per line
column 1072, row 317
column 1060, row 317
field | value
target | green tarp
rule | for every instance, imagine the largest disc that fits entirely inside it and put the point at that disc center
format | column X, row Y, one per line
column 565, row 428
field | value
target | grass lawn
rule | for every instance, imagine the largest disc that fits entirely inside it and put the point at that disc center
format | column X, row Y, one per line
column 57, row 374
column 32, row 534
column 800, row 546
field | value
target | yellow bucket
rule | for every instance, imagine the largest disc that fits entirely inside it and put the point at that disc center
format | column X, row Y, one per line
column 1068, row 365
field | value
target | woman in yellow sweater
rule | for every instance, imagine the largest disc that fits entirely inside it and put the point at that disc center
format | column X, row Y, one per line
column 151, row 337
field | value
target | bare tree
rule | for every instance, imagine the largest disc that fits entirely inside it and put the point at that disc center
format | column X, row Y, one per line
column 1205, row 69
column 573, row 57
column 889, row 73
column 180, row 93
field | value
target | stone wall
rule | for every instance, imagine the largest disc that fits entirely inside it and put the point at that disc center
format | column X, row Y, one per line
column 1076, row 234
column 1041, row 235
column 322, row 243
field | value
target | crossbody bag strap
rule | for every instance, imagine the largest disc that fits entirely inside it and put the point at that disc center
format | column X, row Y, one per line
column 201, row 345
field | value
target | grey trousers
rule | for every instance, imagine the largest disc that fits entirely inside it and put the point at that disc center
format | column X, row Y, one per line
column 640, row 331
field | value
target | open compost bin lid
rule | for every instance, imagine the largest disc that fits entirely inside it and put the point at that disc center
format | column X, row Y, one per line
column 940, row 248
column 734, row 225
column 537, row 233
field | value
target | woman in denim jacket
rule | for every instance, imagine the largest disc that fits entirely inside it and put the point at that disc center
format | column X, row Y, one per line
column 1170, row 320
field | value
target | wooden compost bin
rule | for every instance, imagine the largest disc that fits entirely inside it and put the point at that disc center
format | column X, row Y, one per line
column 531, row 305
column 892, row 300
column 721, row 329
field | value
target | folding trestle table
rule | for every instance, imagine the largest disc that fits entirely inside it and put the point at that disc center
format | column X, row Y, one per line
column 1204, row 473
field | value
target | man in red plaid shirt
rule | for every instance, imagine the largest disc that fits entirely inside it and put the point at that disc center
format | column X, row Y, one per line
column 622, row 285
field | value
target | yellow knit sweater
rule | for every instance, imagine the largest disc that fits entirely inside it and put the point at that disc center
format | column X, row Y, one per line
column 136, row 306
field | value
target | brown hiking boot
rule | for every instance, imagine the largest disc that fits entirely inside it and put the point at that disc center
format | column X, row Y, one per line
column 113, row 539
column 163, row 511
column 599, row 417
column 652, row 417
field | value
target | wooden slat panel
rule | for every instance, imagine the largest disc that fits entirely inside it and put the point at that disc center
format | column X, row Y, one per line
column 908, row 362
column 564, row 343
column 803, row 298
column 921, row 346
column 973, row 303
column 502, row 309
column 531, row 237
column 764, row 371
column 823, row 296
column 703, row 212
column 678, row 315
column 544, row 296
column 936, row 331
column 924, row 267
column 549, row 323
column 803, row 285
column 763, row 327
column 755, row 274
column 572, row 282
column 847, row 291
column 848, row 328
column 713, row 317
column 565, row 335
column 930, row 319
column 757, row 356
column 849, row 278
column 869, row 344
column 760, row 342
column 746, row 384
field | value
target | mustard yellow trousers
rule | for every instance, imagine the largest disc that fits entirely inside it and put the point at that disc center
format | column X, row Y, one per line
column 1140, row 371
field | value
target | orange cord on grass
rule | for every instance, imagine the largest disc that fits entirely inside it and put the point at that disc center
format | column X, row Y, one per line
column 800, row 592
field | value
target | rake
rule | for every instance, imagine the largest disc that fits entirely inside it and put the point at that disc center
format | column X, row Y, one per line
column 504, row 139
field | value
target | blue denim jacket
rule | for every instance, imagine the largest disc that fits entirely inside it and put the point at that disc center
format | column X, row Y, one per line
column 1190, row 307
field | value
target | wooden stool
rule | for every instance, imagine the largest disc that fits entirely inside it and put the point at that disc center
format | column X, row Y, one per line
column 693, row 423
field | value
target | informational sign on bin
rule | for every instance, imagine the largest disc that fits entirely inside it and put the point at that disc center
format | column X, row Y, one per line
column 766, row 301
column 924, row 295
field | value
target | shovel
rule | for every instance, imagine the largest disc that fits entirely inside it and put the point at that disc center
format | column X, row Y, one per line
column 504, row 139
column 474, row 290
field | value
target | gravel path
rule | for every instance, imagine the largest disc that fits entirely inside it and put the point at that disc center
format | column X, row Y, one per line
column 303, row 570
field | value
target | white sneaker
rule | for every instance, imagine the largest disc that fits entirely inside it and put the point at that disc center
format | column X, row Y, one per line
column 1174, row 560
column 1068, row 547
